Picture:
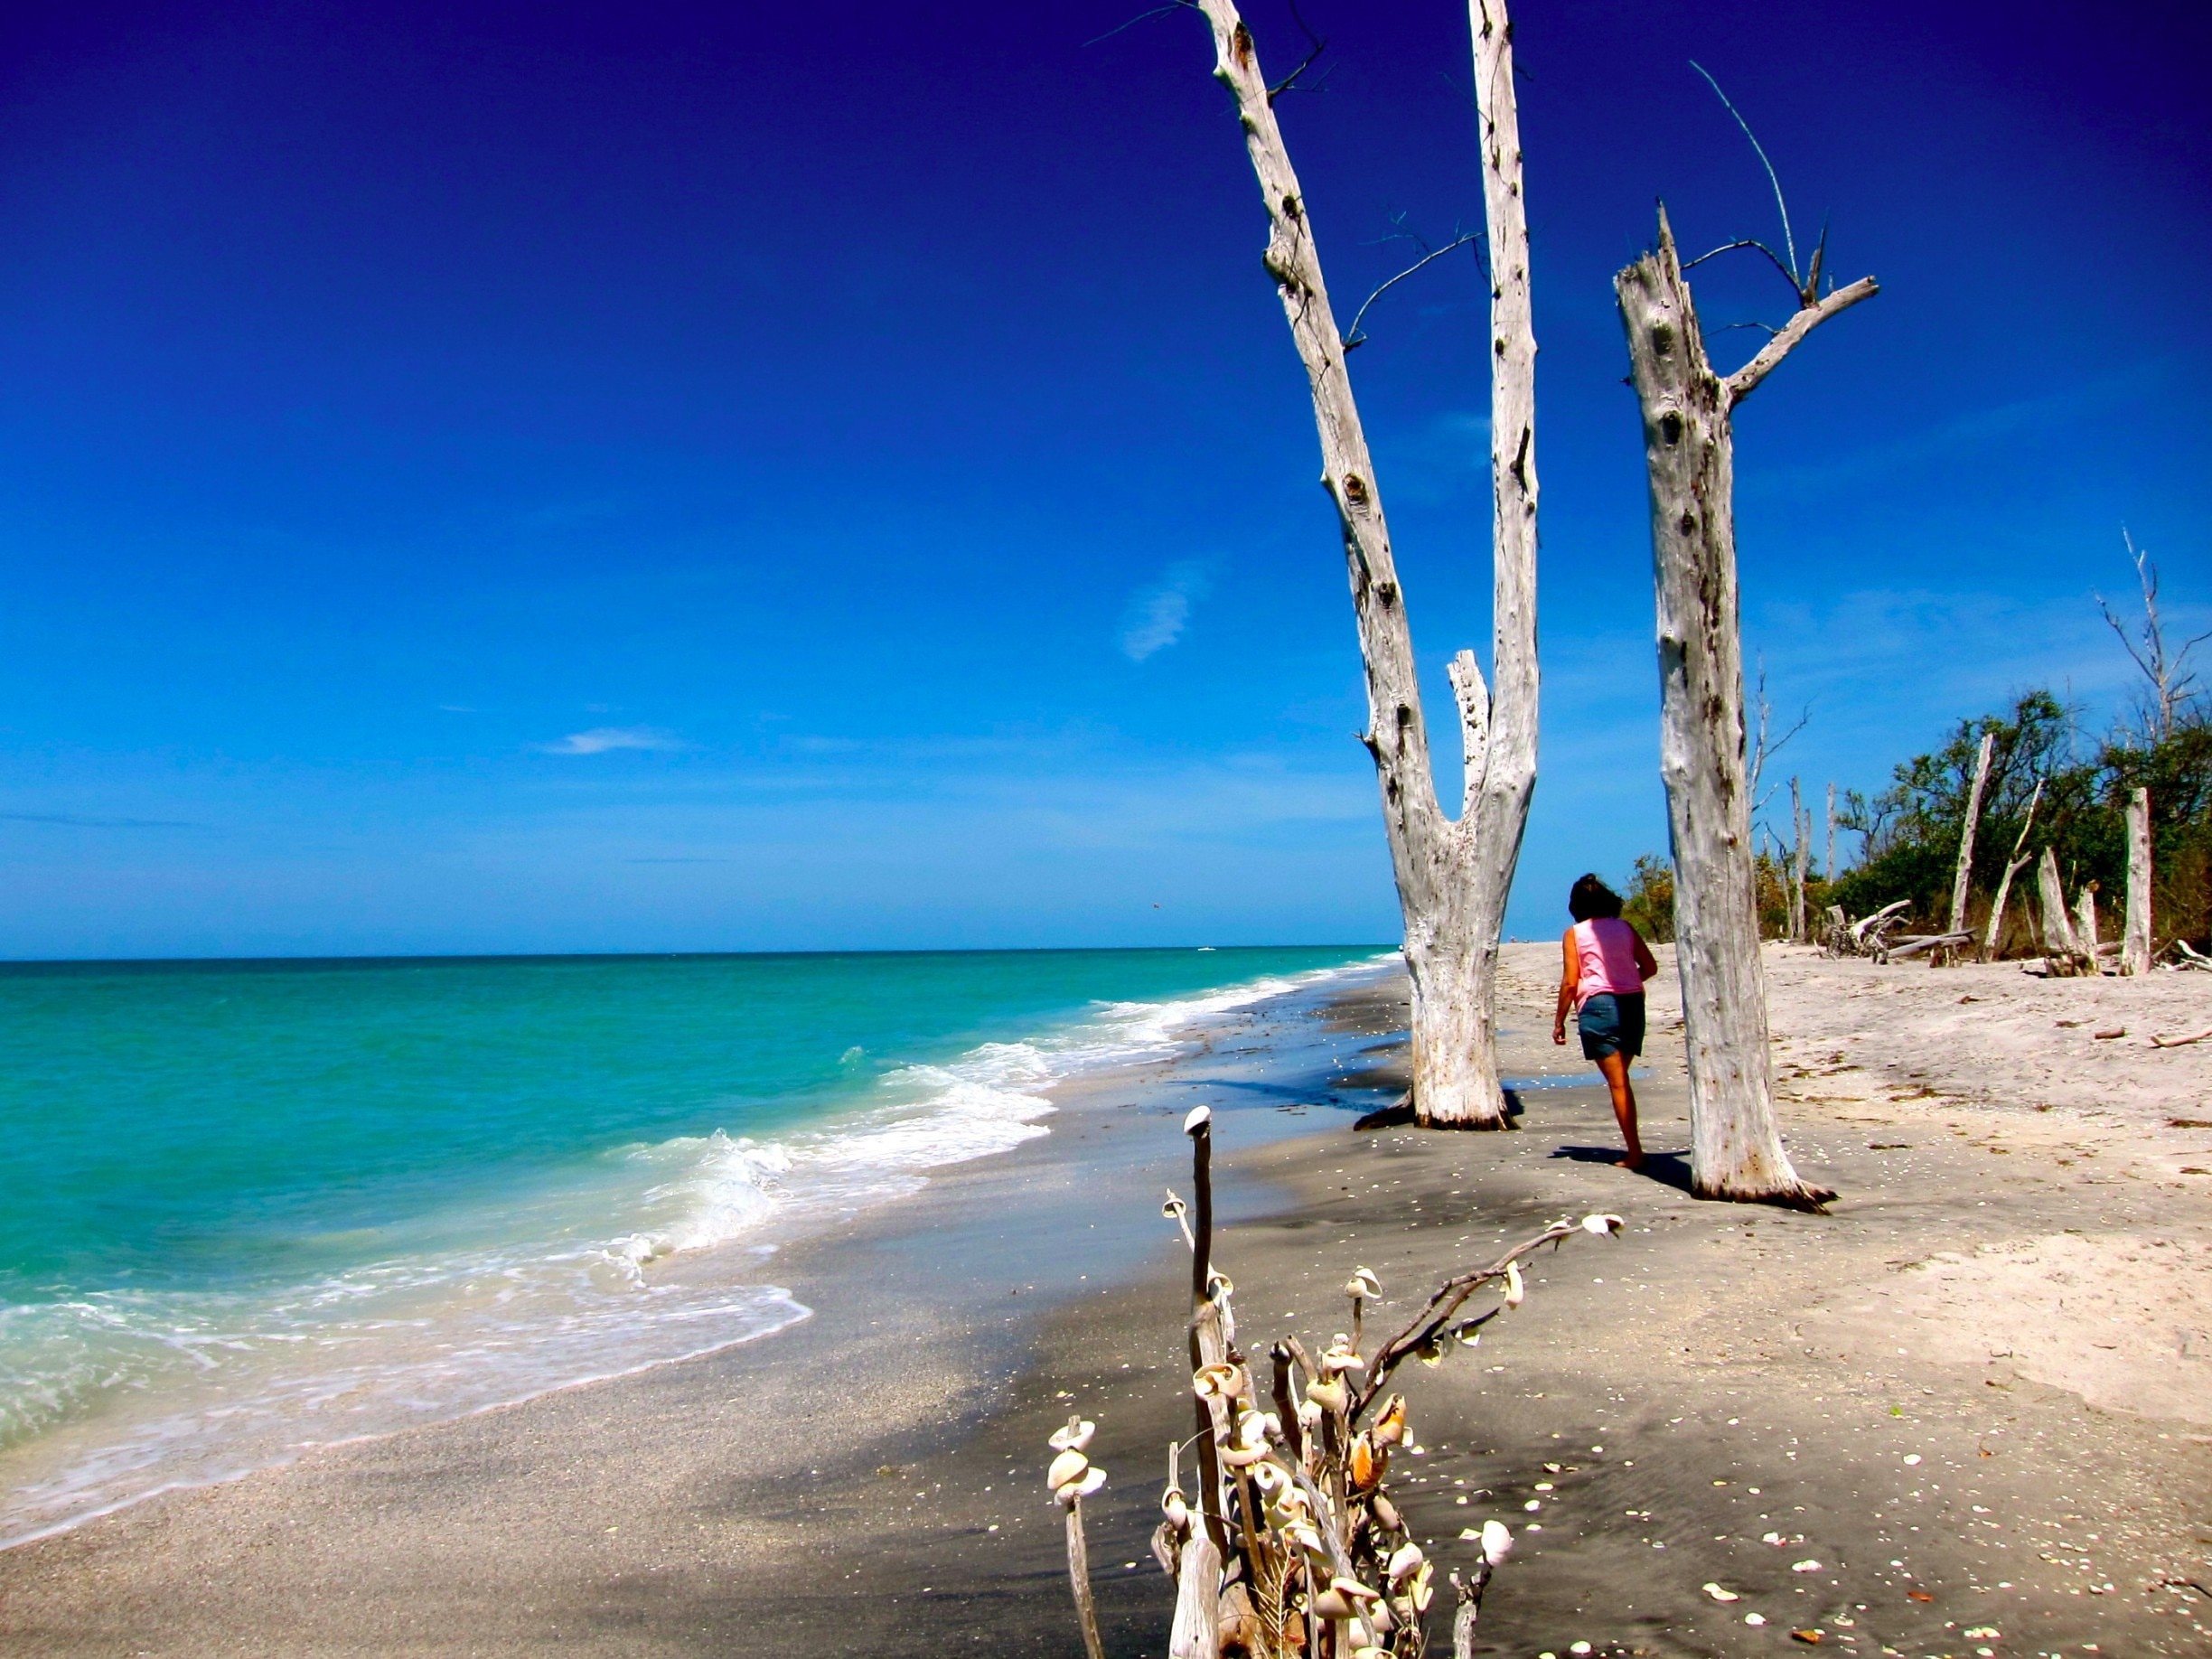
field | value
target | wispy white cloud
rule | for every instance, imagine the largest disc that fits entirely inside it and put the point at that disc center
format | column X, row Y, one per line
column 1159, row 613
column 603, row 739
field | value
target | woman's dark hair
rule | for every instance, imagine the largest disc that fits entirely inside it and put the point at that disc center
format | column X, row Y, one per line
column 1591, row 898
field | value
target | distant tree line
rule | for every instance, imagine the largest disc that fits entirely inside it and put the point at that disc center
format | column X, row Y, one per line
column 1909, row 832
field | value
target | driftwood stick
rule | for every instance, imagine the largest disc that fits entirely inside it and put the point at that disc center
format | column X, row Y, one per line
column 1206, row 1346
column 2178, row 1042
column 1467, row 1594
column 1079, row 1579
column 1918, row 943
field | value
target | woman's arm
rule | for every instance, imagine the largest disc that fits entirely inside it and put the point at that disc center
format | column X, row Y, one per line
column 1570, row 976
column 1647, row 963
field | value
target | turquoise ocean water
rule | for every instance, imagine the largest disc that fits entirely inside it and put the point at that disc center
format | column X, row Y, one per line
column 250, row 1207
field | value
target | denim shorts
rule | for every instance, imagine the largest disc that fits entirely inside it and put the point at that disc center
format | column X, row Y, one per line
column 1612, row 1023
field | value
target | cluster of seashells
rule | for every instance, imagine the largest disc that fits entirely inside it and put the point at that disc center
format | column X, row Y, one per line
column 1302, row 1551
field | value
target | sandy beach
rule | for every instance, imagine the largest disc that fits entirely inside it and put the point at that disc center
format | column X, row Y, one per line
column 1976, row 1398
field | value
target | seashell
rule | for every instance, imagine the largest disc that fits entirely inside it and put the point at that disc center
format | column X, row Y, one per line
column 1516, row 1291
column 1422, row 1591
column 1601, row 1225
column 1302, row 1534
column 1331, row 1604
column 1309, row 1414
column 1720, row 1594
column 1242, row 1456
column 1366, row 1467
column 1363, row 1283
column 1386, row 1512
column 1075, row 1437
column 1430, row 1354
column 1497, row 1542
column 1353, row 1589
column 1218, row 1287
column 1066, row 1470
column 1469, row 1334
column 1093, row 1479
column 1269, row 1478
column 1390, row 1429
column 1200, row 1116
column 1177, row 1509
column 1341, row 1355
column 1403, row 1561
column 1330, row 1395
column 1217, row 1381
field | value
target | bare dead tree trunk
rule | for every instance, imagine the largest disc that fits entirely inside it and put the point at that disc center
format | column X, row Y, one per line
column 1799, row 831
column 1736, row 1143
column 1964, row 874
column 1994, row 939
column 1828, row 868
column 1453, row 875
column 2050, row 899
column 2135, row 937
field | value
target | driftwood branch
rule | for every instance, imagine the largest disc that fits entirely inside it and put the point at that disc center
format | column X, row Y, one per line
column 1313, row 1559
column 2178, row 1042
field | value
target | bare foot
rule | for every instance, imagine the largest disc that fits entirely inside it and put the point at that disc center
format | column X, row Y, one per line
column 1630, row 1160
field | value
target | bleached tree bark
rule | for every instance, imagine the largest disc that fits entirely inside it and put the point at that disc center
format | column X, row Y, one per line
column 2135, row 936
column 2050, row 899
column 1801, row 832
column 1828, row 869
column 2085, row 923
column 2018, row 861
column 1453, row 875
column 1736, row 1143
column 1963, row 875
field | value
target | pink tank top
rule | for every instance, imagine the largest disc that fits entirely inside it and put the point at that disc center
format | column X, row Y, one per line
column 1607, row 949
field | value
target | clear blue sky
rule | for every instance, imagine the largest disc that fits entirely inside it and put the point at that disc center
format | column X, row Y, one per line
column 647, row 476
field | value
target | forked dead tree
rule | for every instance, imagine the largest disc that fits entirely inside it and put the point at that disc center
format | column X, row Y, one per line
column 1453, row 875
column 1287, row 1543
column 1688, row 409
column 2170, row 683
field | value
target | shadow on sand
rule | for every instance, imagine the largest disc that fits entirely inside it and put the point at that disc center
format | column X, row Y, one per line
column 1667, row 1169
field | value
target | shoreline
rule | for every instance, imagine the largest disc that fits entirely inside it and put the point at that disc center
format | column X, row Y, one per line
column 871, row 1481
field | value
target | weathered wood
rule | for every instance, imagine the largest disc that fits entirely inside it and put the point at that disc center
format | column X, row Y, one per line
column 2086, row 922
column 1195, row 1633
column 1963, row 876
column 1453, row 875
column 1736, row 1142
column 1801, row 830
column 1828, row 869
column 2057, row 927
column 1913, row 944
column 2135, row 934
column 2018, row 862
column 1079, row 1580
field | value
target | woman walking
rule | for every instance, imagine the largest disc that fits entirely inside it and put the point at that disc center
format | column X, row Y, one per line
column 1607, row 963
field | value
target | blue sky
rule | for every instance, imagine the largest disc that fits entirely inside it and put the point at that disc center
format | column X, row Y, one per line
column 580, row 477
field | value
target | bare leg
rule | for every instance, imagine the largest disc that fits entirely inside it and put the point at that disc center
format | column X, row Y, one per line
column 1615, row 1070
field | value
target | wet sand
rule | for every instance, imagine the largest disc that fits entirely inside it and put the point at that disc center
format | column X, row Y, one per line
column 1975, row 1395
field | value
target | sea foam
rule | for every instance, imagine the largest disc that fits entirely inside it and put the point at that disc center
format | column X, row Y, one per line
column 659, row 1256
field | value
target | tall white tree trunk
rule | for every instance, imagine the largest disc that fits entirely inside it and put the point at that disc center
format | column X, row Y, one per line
column 2135, row 936
column 1963, row 875
column 1801, row 824
column 1828, row 869
column 1736, row 1143
column 1453, row 875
